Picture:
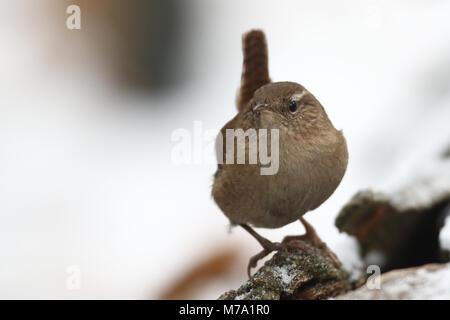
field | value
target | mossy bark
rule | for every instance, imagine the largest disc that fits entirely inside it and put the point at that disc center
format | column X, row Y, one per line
column 295, row 274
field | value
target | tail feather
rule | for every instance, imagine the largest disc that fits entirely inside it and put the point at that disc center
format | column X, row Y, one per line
column 255, row 69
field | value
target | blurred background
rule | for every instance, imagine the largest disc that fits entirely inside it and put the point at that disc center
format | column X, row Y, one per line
column 92, row 203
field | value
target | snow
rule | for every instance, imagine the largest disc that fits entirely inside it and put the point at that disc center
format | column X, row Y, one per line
column 421, row 284
column 375, row 257
column 431, row 184
column 347, row 249
column 240, row 297
column 284, row 273
column 444, row 235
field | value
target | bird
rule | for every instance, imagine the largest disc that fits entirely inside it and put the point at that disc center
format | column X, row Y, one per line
column 312, row 154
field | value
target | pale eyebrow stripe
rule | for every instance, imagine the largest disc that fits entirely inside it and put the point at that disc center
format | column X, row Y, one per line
column 298, row 96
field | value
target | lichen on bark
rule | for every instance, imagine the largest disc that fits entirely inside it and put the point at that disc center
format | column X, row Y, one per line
column 294, row 274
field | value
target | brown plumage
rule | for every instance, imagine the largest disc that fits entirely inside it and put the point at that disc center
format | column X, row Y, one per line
column 312, row 156
column 255, row 69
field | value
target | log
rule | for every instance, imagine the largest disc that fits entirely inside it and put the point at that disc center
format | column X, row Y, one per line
column 295, row 274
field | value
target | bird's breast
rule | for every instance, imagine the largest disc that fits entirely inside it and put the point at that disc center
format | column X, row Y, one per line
column 308, row 174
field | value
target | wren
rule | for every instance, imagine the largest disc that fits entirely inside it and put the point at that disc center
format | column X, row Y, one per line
column 312, row 153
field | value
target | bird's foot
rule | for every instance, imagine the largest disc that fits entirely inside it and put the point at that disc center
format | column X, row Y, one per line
column 311, row 236
column 268, row 248
column 289, row 242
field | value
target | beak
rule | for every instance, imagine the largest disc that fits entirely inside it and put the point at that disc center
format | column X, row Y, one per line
column 258, row 107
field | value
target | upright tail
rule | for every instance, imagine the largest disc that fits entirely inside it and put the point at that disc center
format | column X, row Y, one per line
column 255, row 69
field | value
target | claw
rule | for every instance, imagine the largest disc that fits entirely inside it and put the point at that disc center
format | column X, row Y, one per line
column 297, row 242
column 254, row 261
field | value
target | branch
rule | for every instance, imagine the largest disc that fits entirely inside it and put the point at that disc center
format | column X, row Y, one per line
column 295, row 274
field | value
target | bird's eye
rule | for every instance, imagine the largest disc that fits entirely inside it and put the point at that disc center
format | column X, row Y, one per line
column 293, row 106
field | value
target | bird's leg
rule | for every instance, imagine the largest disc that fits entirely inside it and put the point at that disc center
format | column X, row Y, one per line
column 268, row 247
column 296, row 242
column 315, row 240
column 310, row 235
column 265, row 243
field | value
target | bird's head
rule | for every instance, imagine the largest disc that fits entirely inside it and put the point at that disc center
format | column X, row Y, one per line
column 287, row 105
